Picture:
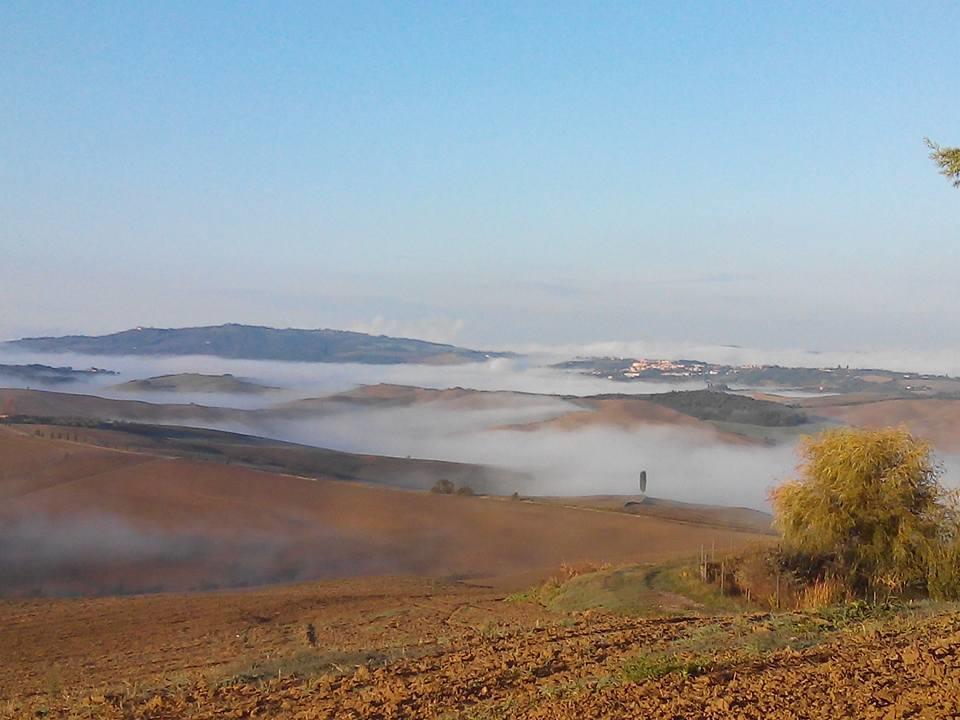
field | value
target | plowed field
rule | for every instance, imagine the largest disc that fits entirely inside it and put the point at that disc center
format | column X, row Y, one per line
column 404, row 649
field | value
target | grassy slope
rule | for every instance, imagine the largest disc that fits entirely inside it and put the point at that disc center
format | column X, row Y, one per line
column 194, row 382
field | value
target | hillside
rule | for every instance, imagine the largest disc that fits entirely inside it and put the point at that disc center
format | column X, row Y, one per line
column 43, row 403
column 524, row 412
column 258, row 343
column 83, row 519
column 272, row 455
column 723, row 416
column 47, row 375
column 718, row 516
column 388, row 396
column 626, row 413
column 426, row 648
column 730, row 407
column 933, row 419
column 816, row 380
column 195, row 383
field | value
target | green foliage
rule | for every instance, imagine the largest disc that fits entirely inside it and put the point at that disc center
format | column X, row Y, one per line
column 947, row 159
column 868, row 503
column 943, row 574
column 728, row 407
column 651, row 667
column 638, row 590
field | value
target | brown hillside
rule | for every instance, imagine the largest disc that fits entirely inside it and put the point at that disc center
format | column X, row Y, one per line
column 54, row 404
column 149, row 523
column 935, row 420
column 628, row 414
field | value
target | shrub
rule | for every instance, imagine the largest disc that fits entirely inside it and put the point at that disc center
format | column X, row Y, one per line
column 443, row 487
column 868, row 505
column 465, row 490
column 656, row 666
column 821, row 594
column 943, row 574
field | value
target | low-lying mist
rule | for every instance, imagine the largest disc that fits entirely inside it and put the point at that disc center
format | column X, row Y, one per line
column 94, row 553
column 303, row 379
column 681, row 464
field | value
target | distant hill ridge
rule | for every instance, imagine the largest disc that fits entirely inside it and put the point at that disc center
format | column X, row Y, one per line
column 251, row 342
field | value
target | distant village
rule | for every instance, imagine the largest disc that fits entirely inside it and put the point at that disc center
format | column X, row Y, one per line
column 723, row 377
column 670, row 368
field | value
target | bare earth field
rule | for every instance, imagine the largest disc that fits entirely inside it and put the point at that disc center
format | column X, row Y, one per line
column 409, row 648
column 151, row 523
column 932, row 419
column 281, row 596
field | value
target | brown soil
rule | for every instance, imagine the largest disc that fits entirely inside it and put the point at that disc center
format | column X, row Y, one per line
column 195, row 525
column 394, row 648
column 53, row 404
column 711, row 515
column 932, row 419
column 629, row 414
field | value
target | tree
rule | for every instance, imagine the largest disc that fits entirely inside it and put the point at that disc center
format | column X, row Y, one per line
column 868, row 502
column 947, row 159
column 443, row 487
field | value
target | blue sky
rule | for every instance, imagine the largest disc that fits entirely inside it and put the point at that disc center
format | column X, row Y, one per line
column 489, row 173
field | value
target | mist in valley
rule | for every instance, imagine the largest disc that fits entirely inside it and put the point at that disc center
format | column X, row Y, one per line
column 682, row 464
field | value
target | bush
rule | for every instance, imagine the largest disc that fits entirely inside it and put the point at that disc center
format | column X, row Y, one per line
column 868, row 510
column 821, row 594
column 465, row 490
column 443, row 487
column 943, row 574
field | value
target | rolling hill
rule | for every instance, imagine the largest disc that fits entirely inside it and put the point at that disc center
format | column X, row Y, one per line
column 46, row 375
column 42, row 403
column 258, row 343
column 627, row 413
column 273, row 455
column 83, row 519
column 704, row 412
column 932, row 419
column 195, row 383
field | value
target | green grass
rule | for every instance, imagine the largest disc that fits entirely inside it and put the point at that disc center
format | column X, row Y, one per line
column 304, row 664
column 744, row 639
column 525, row 596
column 651, row 667
column 640, row 590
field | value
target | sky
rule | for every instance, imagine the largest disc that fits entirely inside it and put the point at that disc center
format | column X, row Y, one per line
column 492, row 174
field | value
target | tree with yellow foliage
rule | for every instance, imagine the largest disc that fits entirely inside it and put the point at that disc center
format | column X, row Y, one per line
column 870, row 503
column 947, row 159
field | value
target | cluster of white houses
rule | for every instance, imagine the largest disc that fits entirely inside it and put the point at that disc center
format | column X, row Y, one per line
column 669, row 368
